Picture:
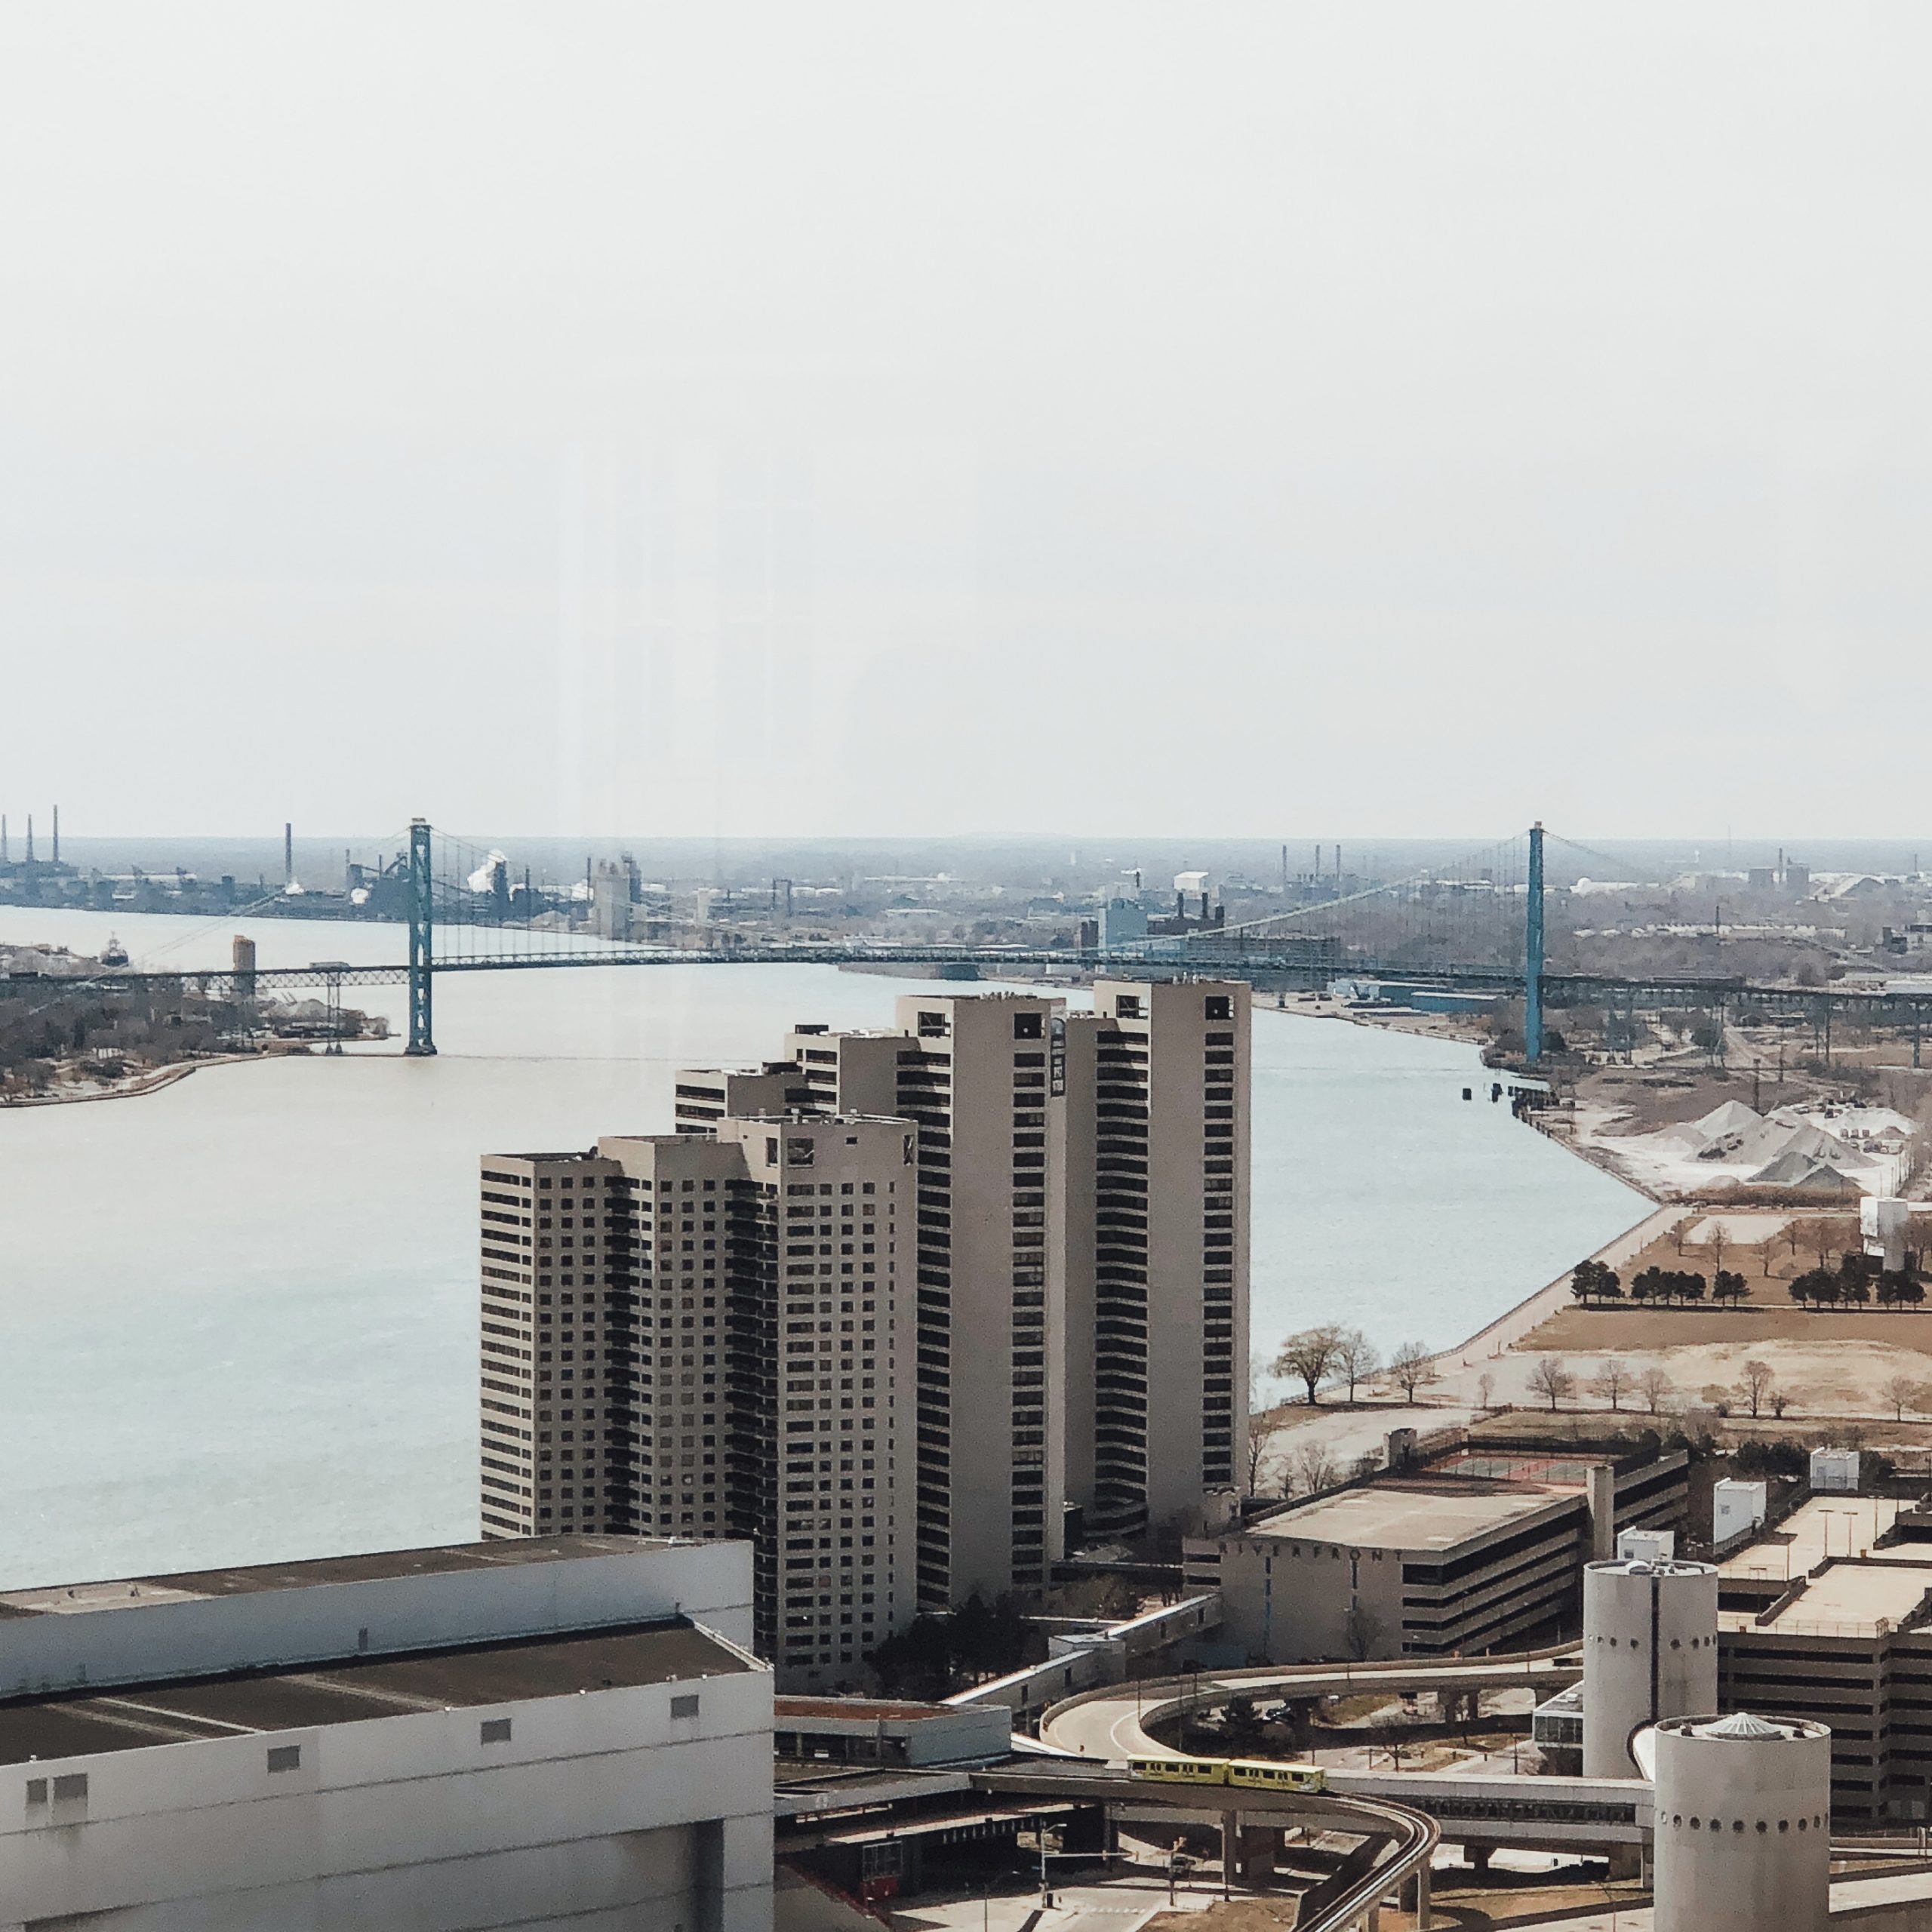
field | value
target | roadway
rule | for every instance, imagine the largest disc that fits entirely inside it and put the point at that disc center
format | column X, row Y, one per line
column 1405, row 1840
column 1107, row 1725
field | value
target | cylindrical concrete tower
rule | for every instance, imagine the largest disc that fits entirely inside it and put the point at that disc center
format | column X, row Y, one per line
column 1743, row 1825
column 1650, row 1651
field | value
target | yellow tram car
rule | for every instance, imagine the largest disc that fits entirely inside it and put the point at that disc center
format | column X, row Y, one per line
column 1250, row 1773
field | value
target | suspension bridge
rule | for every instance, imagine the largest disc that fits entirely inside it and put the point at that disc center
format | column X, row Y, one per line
column 1478, row 925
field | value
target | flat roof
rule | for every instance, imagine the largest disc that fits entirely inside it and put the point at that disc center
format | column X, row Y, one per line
column 1847, row 1599
column 63, row 1599
column 133, row 1716
column 859, row 1710
column 1420, row 1516
column 1825, row 1526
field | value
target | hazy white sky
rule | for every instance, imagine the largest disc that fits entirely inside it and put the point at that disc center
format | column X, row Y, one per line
column 1276, row 419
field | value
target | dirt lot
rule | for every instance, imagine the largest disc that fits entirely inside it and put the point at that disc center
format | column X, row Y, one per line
column 1833, row 1361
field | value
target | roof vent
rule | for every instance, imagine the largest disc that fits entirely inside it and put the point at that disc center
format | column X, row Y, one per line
column 1744, row 1727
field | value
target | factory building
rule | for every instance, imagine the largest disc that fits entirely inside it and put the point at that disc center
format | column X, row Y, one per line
column 549, row 1734
column 1442, row 1561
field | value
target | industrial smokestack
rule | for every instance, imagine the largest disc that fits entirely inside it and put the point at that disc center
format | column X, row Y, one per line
column 3, row 838
column 57, row 834
column 288, row 853
column 30, row 838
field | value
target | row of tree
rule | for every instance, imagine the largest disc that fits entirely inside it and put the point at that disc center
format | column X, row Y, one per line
column 1593, row 1283
column 1858, row 1280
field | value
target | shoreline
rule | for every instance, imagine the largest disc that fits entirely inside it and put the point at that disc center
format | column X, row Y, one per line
column 154, row 1082
column 1495, row 1337
column 158, row 1079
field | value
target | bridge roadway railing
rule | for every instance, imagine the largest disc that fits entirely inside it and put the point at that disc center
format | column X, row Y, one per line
column 1075, row 1723
column 1097, row 1657
column 1408, row 1837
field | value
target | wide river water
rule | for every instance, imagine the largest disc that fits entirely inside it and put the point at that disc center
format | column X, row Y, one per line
column 238, row 1316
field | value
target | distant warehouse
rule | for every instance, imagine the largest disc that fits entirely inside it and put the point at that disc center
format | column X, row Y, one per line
column 1482, row 1552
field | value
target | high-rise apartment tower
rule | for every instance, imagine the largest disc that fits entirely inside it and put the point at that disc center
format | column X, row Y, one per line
column 1156, row 1164
column 699, row 1334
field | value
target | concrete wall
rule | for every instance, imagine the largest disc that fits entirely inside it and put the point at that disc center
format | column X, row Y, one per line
column 1650, row 1651
column 601, row 1810
column 156, row 1637
column 1102, row 1661
column 1282, row 1607
column 1743, row 1832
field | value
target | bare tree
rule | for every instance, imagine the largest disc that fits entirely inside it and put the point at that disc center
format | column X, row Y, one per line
column 1903, row 1393
column 1820, row 1237
column 1485, row 1387
column 1355, row 1358
column 1612, row 1382
column 1393, row 1734
column 1361, row 1632
column 1654, row 1385
column 1260, row 1426
column 1412, row 1369
column 1315, row 1468
column 1310, row 1357
column 1551, row 1379
column 1754, row 1385
column 1720, row 1246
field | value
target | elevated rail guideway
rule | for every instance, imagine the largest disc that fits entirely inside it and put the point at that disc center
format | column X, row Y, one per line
column 1476, row 926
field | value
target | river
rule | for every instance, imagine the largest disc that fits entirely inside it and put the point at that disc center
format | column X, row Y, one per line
column 239, row 1315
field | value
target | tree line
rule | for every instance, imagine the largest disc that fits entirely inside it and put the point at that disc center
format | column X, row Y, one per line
column 1332, row 1356
column 1592, row 1284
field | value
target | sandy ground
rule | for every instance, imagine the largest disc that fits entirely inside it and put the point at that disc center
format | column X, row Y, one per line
column 1345, row 1434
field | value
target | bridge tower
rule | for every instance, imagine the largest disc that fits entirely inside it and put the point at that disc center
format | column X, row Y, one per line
column 1533, row 952
column 422, row 916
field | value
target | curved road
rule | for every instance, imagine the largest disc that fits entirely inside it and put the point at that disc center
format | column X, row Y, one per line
column 1107, row 1725
column 1408, row 1838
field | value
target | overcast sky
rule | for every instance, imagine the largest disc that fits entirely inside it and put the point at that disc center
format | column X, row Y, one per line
column 1277, row 420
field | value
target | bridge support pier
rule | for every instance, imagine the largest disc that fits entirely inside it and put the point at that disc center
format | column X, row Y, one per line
column 1533, row 952
column 422, row 920
column 1415, row 1899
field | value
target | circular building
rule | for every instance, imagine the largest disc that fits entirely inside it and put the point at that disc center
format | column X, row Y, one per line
column 1650, row 1651
column 1743, row 1823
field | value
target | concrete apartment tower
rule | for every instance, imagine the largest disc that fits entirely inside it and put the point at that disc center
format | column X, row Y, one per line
column 847, row 1073
column 980, row 1077
column 1156, row 1127
column 820, row 1467
column 644, row 1334
column 703, row 1095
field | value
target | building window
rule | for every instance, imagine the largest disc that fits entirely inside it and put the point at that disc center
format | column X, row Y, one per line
column 496, row 1730
column 685, row 1707
column 284, row 1757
